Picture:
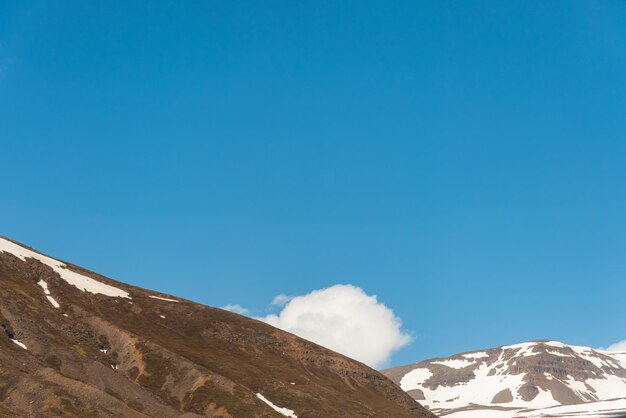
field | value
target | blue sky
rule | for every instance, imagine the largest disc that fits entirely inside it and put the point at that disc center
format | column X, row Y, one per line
column 464, row 161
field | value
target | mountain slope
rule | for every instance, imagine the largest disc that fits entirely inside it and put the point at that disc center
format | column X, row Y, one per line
column 77, row 344
column 533, row 379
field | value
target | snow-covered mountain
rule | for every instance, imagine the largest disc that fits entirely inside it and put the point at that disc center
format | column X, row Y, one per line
column 532, row 379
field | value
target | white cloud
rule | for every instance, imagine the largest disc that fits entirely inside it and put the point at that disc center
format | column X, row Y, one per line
column 345, row 319
column 620, row 346
column 238, row 309
column 281, row 300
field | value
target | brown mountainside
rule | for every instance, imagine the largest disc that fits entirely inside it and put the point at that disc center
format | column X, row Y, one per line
column 77, row 344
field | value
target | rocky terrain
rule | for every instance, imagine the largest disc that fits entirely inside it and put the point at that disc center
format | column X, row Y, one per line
column 532, row 379
column 77, row 344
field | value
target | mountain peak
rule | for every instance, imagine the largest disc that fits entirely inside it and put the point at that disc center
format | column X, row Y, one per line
column 514, row 380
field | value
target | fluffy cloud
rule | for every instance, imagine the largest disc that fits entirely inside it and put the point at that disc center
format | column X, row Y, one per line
column 236, row 309
column 620, row 346
column 345, row 319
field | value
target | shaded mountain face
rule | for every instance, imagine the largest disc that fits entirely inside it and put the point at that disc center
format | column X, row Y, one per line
column 77, row 344
column 533, row 379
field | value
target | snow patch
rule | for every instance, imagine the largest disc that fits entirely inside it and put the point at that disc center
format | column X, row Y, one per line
column 53, row 302
column 283, row 411
column 165, row 299
column 524, row 349
column 601, row 409
column 559, row 354
column 476, row 355
column 44, row 286
column 415, row 378
column 20, row 344
column 617, row 356
column 556, row 344
column 84, row 283
column 455, row 363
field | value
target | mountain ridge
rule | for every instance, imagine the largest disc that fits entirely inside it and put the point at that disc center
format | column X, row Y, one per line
column 535, row 378
column 79, row 344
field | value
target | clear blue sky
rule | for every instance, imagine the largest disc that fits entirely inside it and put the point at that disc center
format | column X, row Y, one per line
column 465, row 161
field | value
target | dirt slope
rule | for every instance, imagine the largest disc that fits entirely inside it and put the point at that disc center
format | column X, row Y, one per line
column 138, row 356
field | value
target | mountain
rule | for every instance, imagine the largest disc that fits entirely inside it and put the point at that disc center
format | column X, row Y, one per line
column 532, row 379
column 76, row 344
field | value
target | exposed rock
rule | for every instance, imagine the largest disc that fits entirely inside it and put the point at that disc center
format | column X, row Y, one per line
column 517, row 380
